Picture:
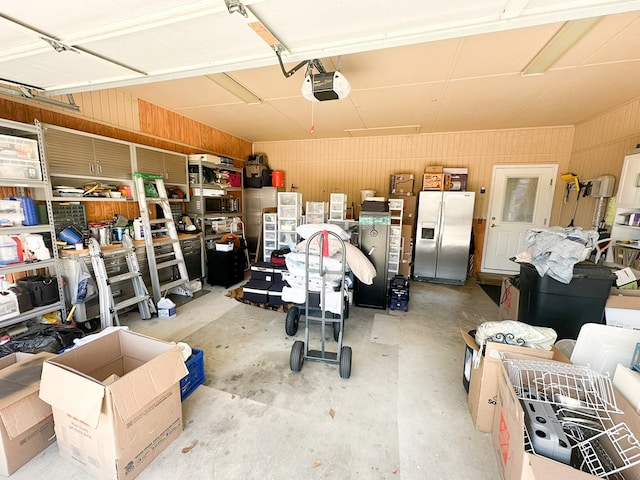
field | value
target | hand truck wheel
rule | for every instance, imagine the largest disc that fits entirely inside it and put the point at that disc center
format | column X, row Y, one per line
column 296, row 359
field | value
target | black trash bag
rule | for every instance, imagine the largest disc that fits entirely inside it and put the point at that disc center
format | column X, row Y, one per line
column 43, row 338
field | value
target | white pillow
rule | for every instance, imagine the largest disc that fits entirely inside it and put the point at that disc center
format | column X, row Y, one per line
column 360, row 265
column 308, row 229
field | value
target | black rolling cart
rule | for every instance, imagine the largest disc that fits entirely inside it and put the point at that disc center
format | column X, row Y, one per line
column 225, row 268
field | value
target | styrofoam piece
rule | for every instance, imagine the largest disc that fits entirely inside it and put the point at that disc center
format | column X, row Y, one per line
column 602, row 347
column 627, row 382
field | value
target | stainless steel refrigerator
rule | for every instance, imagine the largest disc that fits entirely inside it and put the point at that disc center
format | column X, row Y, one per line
column 443, row 236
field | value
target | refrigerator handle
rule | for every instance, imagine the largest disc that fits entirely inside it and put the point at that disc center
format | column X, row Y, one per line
column 440, row 225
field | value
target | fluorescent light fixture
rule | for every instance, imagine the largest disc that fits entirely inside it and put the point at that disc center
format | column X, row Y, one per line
column 382, row 131
column 570, row 34
column 233, row 87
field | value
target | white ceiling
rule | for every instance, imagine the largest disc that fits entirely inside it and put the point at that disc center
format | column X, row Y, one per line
column 414, row 65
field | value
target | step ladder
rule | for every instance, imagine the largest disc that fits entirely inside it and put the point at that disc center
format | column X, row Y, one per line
column 181, row 285
column 108, row 307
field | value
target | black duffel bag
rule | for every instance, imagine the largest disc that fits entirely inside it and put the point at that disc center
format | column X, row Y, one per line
column 43, row 289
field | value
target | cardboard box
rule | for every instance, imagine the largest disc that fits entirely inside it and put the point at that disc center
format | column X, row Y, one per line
column 433, row 169
column 116, row 402
column 623, row 310
column 401, row 183
column 509, row 300
column 26, row 422
column 509, row 442
column 483, row 379
column 458, row 178
column 404, row 268
column 436, row 181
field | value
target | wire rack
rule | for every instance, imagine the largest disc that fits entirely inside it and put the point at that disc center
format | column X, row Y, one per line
column 563, row 384
column 583, row 401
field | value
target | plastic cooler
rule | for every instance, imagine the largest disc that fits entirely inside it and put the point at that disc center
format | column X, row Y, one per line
column 564, row 307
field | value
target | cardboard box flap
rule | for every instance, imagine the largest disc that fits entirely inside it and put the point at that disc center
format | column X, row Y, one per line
column 20, row 407
column 141, row 385
column 469, row 340
column 62, row 387
column 21, row 416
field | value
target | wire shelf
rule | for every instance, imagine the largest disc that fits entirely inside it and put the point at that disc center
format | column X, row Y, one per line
column 583, row 401
column 563, row 384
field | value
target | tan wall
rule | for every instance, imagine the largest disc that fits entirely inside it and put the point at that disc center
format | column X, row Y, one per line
column 319, row 167
column 599, row 147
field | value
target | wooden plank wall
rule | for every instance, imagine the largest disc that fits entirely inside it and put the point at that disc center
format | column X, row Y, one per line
column 114, row 114
column 319, row 167
column 599, row 147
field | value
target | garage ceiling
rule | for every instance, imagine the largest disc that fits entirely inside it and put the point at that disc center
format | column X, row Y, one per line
column 414, row 66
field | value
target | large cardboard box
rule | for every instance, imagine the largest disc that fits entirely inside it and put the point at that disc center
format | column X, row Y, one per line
column 458, row 178
column 509, row 443
column 481, row 372
column 509, row 300
column 116, row 402
column 26, row 422
column 436, row 181
column 401, row 183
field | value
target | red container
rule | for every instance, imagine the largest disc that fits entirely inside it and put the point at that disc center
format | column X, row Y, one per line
column 235, row 179
column 277, row 179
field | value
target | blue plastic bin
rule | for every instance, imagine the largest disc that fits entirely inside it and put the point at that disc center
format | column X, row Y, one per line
column 195, row 377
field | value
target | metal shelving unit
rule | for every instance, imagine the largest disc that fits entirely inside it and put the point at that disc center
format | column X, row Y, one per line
column 214, row 204
column 40, row 187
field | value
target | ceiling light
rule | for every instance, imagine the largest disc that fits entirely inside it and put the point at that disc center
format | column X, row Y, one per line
column 570, row 34
column 233, row 87
column 380, row 131
column 324, row 86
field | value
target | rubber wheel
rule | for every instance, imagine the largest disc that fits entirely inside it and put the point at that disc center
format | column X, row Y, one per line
column 291, row 322
column 345, row 362
column 297, row 356
column 336, row 330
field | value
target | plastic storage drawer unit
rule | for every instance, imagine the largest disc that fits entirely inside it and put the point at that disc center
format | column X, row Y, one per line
column 564, row 307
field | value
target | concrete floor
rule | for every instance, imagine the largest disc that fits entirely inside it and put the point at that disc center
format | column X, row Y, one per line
column 402, row 414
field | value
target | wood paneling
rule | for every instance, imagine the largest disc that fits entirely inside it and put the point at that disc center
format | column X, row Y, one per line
column 319, row 167
column 599, row 148
column 159, row 122
column 104, row 211
column 116, row 115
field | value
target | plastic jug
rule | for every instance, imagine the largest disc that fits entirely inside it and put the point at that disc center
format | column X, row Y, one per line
column 138, row 231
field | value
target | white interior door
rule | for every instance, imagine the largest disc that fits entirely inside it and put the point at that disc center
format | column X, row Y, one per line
column 521, row 198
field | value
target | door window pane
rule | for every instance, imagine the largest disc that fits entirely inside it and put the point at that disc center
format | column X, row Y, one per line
column 520, row 199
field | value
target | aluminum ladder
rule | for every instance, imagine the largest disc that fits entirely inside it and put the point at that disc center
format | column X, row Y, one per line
column 167, row 225
column 108, row 306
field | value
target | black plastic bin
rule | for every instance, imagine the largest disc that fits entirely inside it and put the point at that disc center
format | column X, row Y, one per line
column 564, row 307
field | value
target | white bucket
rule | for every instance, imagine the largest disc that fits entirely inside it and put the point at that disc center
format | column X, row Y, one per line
column 364, row 194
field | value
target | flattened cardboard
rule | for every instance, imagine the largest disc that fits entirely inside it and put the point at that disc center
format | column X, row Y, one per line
column 483, row 381
column 26, row 422
column 508, row 440
column 116, row 429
